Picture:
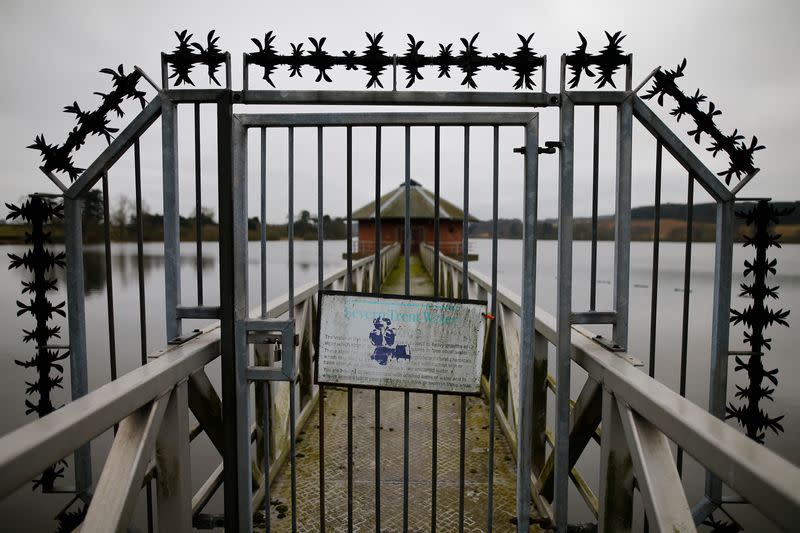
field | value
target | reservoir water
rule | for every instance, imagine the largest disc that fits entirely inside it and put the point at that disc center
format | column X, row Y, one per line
column 27, row 511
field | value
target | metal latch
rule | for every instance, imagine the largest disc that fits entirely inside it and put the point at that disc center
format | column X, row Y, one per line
column 550, row 147
column 280, row 333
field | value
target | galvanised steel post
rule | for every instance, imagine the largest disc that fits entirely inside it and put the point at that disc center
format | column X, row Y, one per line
column 79, row 381
column 564, row 306
column 527, row 345
column 172, row 229
column 233, row 309
column 723, row 265
column 622, row 222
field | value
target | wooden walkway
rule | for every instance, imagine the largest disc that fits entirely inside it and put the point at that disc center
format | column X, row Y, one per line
column 420, row 448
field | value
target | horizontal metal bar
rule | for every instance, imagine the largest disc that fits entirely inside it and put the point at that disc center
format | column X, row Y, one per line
column 116, row 149
column 682, row 153
column 594, row 317
column 265, row 373
column 482, row 99
column 197, row 312
column 597, row 97
column 385, row 119
column 25, row 452
column 193, row 96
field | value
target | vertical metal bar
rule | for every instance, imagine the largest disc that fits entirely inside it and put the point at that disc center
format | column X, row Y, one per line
column 622, row 222
column 493, row 324
column 137, row 173
column 293, row 448
column 112, row 343
column 290, row 351
column 435, row 396
column 349, row 208
column 266, row 399
column 263, row 223
column 349, row 458
column 407, row 224
column 595, row 191
column 377, row 461
column 137, row 169
column 407, row 258
column 437, row 168
column 656, row 249
column 462, row 450
column 232, row 192
column 376, row 283
column 718, row 386
column 528, row 346
column 76, row 318
column 465, row 295
column 465, row 223
column 687, row 277
column 349, row 288
column 564, row 307
column 198, row 205
column 172, row 233
column 377, row 287
column 320, row 277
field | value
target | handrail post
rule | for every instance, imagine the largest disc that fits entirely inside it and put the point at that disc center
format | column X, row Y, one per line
column 174, row 466
column 232, row 144
column 622, row 222
column 616, row 472
column 718, row 387
column 172, row 229
column 564, row 308
column 79, row 381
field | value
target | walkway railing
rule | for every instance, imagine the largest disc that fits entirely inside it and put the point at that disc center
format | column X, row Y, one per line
column 151, row 407
column 633, row 417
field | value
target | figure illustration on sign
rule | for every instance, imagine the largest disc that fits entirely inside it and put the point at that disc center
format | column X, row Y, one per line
column 382, row 337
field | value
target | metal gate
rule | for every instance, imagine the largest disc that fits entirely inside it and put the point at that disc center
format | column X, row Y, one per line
column 639, row 416
column 247, row 328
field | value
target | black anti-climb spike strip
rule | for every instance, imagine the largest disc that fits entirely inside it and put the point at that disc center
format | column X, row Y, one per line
column 42, row 263
column 58, row 158
column 740, row 153
column 374, row 60
column 607, row 62
column 757, row 317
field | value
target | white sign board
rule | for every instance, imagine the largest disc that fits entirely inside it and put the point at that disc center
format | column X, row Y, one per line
column 401, row 342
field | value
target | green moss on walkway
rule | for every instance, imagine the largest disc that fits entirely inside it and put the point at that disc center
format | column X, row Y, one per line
column 421, row 282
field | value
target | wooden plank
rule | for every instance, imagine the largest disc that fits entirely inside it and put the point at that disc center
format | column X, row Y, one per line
column 583, row 423
column 656, row 474
column 206, row 407
column 174, row 481
column 616, row 472
column 118, row 489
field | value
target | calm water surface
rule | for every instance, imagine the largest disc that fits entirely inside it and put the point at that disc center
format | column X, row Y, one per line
column 34, row 513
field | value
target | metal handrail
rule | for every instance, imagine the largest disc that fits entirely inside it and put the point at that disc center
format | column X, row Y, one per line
column 28, row 450
column 758, row 474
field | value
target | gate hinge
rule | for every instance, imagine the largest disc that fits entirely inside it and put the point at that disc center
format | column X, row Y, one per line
column 550, row 147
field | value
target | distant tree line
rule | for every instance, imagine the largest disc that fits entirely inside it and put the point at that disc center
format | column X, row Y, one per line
column 124, row 224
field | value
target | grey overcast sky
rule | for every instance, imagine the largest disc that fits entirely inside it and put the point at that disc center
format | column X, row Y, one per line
column 742, row 54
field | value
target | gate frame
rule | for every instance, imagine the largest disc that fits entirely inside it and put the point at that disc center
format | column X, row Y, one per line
column 229, row 224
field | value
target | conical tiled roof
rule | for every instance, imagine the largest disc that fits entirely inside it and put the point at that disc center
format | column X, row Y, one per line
column 393, row 205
